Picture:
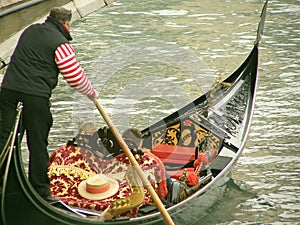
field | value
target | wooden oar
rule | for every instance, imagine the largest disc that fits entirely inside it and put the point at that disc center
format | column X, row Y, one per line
column 134, row 163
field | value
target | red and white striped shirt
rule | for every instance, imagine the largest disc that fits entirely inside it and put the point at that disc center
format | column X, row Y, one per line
column 72, row 71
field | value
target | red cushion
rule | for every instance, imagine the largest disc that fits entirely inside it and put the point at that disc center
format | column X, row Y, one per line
column 174, row 154
column 70, row 165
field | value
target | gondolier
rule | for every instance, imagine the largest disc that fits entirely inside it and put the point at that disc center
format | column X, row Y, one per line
column 43, row 51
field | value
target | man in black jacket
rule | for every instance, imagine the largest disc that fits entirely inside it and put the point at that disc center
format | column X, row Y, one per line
column 43, row 51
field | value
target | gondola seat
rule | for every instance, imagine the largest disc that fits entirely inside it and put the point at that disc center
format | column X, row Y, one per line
column 69, row 165
column 174, row 154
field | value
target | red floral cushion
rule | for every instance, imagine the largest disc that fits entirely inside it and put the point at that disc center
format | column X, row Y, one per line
column 70, row 165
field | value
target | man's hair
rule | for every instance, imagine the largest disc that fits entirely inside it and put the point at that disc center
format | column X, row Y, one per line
column 61, row 14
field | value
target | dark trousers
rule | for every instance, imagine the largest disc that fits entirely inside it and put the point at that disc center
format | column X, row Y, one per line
column 36, row 122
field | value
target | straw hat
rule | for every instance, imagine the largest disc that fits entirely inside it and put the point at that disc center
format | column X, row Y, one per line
column 98, row 187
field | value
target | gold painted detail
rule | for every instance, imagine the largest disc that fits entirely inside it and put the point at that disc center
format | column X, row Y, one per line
column 217, row 86
column 171, row 136
column 59, row 170
column 136, row 198
column 185, row 133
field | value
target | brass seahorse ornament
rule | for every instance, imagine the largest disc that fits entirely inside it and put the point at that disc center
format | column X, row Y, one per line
column 136, row 198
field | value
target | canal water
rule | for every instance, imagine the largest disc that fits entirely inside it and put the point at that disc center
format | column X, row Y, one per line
column 149, row 58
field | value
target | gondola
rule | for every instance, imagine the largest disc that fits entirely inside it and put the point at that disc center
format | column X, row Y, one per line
column 219, row 119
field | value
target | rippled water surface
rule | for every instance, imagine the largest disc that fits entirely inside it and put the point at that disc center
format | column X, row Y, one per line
column 148, row 58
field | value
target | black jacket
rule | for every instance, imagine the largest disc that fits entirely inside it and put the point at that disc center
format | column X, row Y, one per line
column 32, row 69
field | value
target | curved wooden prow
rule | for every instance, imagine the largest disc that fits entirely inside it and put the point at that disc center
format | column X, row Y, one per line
column 261, row 24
